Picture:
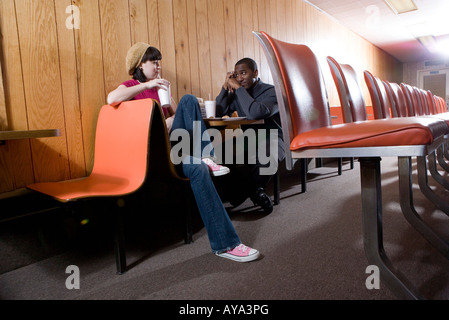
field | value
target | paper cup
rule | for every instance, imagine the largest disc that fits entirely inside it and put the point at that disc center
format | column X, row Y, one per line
column 164, row 95
column 210, row 107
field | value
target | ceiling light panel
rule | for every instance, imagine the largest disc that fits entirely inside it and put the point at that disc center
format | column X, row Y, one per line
column 401, row 6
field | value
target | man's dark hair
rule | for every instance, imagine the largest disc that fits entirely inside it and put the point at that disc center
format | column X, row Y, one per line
column 250, row 63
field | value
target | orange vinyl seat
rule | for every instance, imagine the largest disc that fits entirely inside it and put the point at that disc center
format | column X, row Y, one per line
column 121, row 150
column 303, row 107
column 124, row 136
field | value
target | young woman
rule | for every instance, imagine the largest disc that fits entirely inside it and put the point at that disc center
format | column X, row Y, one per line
column 143, row 64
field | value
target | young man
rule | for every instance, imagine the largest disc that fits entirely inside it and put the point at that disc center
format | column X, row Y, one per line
column 245, row 93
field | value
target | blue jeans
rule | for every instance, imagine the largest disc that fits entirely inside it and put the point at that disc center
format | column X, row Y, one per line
column 221, row 232
column 187, row 114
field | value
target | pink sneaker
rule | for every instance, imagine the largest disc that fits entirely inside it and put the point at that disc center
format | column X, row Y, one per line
column 241, row 253
column 215, row 169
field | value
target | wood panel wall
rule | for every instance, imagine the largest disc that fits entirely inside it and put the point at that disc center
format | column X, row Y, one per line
column 56, row 75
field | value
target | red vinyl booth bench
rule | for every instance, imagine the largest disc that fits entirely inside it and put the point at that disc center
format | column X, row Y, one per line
column 308, row 133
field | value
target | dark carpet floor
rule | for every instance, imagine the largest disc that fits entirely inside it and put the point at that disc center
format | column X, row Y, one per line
column 311, row 249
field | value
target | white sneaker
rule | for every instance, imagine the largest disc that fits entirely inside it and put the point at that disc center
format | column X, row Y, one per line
column 241, row 253
column 215, row 169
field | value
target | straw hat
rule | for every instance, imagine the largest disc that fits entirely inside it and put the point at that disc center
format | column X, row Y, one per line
column 135, row 55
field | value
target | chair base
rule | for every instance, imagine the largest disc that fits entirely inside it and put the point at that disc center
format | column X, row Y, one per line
column 373, row 231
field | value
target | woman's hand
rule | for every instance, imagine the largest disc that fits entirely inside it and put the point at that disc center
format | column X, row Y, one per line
column 157, row 83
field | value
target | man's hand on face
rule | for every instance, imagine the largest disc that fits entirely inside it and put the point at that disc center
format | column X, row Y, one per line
column 233, row 84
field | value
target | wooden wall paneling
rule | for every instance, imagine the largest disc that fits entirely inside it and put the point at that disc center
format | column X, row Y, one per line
column 268, row 16
column 239, row 15
column 217, row 38
column 167, row 45
column 7, row 172
column 329, row 45
column 12, row 68
column 274, row 19
column 255, row 26
column 295, row 8
column 202, row 29
column 310, row 25
column 42, row 83
column 116, row 40
column 299, row 19
column 193, row 49
column 368, row 65
column 247, row 29
column 153, row 23
column 91, row 82
column 138, row 21
column 182, row 47
column 3, row 115
column 263, row 10
column 230, row 36
column 69, row 84
column 63, row 82
column 284, row 14
column 16, row 168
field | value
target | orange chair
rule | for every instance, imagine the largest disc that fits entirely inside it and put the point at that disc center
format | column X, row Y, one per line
column 126, row 136
column 349, row 91
column 379, row 97
column 388, row 96
column 382, row 102
column 420, row 102
column 411, row 100
column 439, row 105
column 443, row 105
column 397, row 98
column 303, row 108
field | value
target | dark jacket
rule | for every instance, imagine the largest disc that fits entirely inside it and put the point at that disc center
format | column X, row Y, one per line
column 259, row 102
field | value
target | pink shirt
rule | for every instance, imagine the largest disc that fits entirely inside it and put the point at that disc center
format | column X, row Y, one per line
column 147, row 94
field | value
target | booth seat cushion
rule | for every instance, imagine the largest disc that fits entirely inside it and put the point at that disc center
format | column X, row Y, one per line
column 372, row 133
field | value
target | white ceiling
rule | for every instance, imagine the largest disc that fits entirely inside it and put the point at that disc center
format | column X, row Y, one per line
column 395, row 34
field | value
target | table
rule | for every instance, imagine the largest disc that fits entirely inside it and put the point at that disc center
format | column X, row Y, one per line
column 231, row 121
column 27, row 134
